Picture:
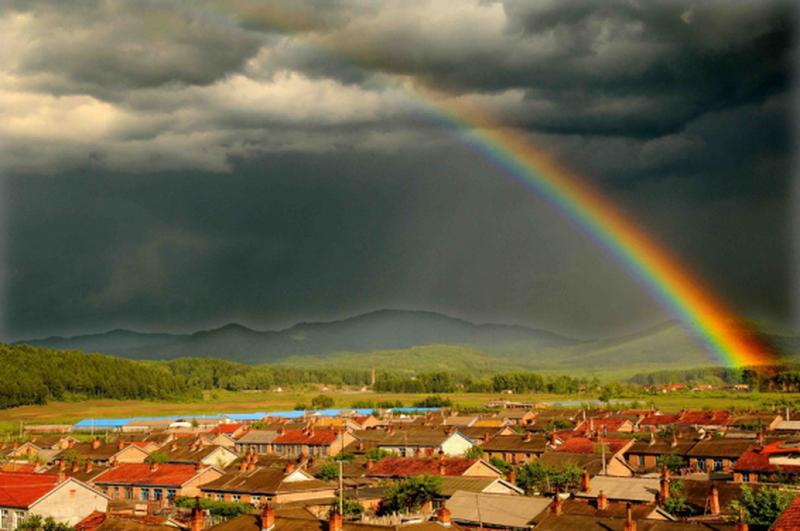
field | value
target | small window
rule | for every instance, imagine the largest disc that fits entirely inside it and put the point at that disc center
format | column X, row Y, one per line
column 157, row 494
column 144, row 494
column 717, row 464
column 255, row 500
column 171, row 494
column 641, row 460
column 220, row 497
column 237, row 498
column 701, row 465
column 128, row 493
column 745, row 477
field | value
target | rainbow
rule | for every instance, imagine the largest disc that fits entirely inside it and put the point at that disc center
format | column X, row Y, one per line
column 672, row 284
column 512, row 153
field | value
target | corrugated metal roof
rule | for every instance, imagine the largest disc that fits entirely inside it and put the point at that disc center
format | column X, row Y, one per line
column 495, row 509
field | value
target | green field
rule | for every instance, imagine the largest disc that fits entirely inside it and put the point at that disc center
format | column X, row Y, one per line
column 234, row 402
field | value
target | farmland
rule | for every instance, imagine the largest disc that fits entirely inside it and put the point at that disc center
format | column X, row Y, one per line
column 249, row 401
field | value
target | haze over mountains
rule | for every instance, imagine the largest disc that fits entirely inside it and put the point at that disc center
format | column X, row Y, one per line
column 417, row 340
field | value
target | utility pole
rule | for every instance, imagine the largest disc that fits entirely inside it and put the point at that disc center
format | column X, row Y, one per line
column 341, row 490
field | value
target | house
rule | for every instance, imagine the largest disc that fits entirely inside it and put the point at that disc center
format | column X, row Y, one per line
column 621, row 489
column 161, row 483
column 66, row 500
column 194, row 452
column 615, row 465
column 708, row 420
column 104, row 453
column 425, row 441
column 461, row 420
column 647, row 454
column 604, row 425
column 259, row 485
column 717, row 454
column 515, row 448
column 517, row 417
column 776, row 461
column 395, row 467
column 611, row 446
column 302, row 520
column 656, row 421
column 487, row 485
column 310, row 441
column 259, row 441
column 495, row 511
column 789, row 519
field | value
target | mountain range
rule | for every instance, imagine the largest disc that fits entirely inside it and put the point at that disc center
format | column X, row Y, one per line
column 414, row 339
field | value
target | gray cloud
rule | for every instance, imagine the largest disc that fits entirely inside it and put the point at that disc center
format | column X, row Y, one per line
column 186, row 164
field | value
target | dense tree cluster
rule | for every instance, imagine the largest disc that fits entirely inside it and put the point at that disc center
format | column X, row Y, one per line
column 33, row 375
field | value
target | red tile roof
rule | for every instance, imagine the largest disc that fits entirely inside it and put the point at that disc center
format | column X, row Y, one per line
column 315, row 437
column 141, row 474
column 757, row 459
column 789, row 519
column 599, row 424
column 584, row 445
column 410, row 466
column 226, row 428
column 704, row 418
column 658, row 420
column 21, row 489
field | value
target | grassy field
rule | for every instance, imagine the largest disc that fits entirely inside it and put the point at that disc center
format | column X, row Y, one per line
column 241, row 402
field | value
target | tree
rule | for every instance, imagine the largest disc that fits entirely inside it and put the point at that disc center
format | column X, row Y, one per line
column 474, row 452
column 676, row 504
column 321, row 402
column 35, row 522
column 500, row 464
column 762, row 507
column 157, row 457
column 376, row 454
column 411, row 494
column 328, row 471
column 673, row 462
column 433, row 401
column 216, row 508
column 352, row 508
column 534, row 476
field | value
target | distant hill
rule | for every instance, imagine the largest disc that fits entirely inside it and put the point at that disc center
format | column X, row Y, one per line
column 374, row 331
column 418, row 341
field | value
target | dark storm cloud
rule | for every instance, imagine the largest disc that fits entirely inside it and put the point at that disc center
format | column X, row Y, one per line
column 182, row 164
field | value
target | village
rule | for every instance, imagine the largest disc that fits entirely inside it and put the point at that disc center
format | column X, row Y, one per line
column 516, row 466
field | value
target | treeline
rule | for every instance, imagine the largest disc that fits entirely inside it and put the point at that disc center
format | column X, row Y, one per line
column 34, row 375
column 446, row 382
column 784, row 378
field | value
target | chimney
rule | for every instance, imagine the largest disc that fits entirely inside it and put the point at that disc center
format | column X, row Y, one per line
column 760, row 438
column 243, row 465
column 153, row 466
column 713, row 501
column 663, row 489
column 360, row 446
column 174, row 445
column 62, row 471
column 16, row 444
column 267, row 518
column 551, row 438
column 486, row 437
column 95, row 443
column 335, row 520
column 585, row 484
column 289, row 469
column 528, row 437
column 556, row 506
column 442, row 468
column 674, row 442
column 741, row 525
column 75, row 466
column 652, row 439
column 630, row 523
column 511, row 477
column 602, row 501
column 120, row 444
column 89, row 465
column 282, row 430
column 441, row 455
column 390, row 429
column 370, row 464
column 197, row 522
column 443, row 516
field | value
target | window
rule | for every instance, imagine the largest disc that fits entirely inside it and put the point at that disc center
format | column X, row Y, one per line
column 717, row 464
column 641, row 460
column 745, row 477
column 255, row 500
column 144, row 494
column 116, row 493
column 220, row 497
column 128, row 493
column 701, row 465
column 158, row 494
column 171, row 494
column 4, row 519
column 20, row 516
column 237, row 498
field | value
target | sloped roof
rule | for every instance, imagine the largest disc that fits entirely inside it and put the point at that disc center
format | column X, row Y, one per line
column 21, row 489
column 625, row 489
column 516, row 443
column 141, row 474
column 452, row 484
column 661, row 446
column 789, row 519
column 313, row 438
column 720, row 447
column 258, row 437
column 758, row 459
column 504, row 510
column 265, row 481
column 704, row 418
column 585, row 445
column 411, row 466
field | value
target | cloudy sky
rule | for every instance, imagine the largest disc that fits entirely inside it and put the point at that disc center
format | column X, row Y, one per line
column 175, row 165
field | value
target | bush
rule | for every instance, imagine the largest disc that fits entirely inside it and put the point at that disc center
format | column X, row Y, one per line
column 321, row 402
column 222, row 509
column 476, row 452
column 411, row 494
column 433, row 401
column 376, row 454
